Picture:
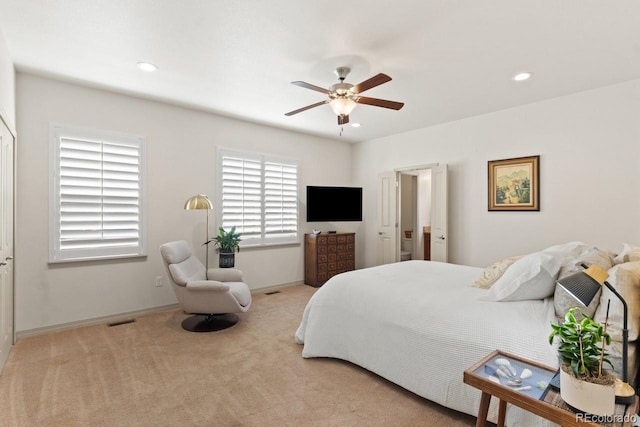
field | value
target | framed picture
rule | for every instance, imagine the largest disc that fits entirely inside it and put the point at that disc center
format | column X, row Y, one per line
column 514, row 184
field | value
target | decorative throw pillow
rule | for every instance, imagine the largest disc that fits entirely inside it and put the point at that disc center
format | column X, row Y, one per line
column 630, row 253
column 625, row 278
column 494, row 272
column 531, row 277
column 592, row 256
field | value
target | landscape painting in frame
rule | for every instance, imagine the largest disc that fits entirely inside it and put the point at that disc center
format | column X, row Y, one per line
column 514, row 184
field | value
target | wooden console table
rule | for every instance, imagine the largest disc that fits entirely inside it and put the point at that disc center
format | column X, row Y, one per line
column 549, row 405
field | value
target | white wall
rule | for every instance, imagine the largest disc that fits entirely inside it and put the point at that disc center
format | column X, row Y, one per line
column 589, row 147
column 424, row 209
column 181, row 158
column 7, row 86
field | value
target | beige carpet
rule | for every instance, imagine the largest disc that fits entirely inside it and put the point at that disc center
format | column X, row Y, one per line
column 153, row 373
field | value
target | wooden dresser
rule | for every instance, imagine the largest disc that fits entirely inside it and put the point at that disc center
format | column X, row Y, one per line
column 326, row 255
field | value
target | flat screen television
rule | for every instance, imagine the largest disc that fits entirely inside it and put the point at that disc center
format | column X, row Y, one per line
column 334, row 204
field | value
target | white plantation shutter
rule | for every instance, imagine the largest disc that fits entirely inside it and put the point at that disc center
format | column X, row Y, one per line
column 242, row 196
column 97, row 195
column 280, row 200
column 259, row 196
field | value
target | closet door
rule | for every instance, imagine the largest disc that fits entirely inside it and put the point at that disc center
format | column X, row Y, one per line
column 6, row 242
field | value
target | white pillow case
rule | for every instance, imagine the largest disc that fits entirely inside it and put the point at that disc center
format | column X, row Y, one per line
column 494, row 272
column 531, row 277
column 534, row 276
column 567, row 250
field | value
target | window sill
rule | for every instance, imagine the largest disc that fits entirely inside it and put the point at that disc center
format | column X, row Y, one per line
column 100, row 258
column 251, row 247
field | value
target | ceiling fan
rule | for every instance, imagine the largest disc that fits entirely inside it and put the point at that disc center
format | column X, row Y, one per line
column 343, row 97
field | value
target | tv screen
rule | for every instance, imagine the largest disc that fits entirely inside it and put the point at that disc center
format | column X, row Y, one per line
column 334, row 204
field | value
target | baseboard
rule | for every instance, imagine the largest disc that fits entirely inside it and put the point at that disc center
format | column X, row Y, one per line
column 93, row 321
column 125, row 316
column 275, row 287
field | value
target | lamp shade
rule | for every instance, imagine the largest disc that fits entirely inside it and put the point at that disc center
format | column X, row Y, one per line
column 342, row 106
column 198, row 202
column 582, row 287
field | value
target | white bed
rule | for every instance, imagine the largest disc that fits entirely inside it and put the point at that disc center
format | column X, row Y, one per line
column 420, row 324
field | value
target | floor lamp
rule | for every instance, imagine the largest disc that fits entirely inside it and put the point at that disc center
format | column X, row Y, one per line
column 201, row 202
column 583, row 287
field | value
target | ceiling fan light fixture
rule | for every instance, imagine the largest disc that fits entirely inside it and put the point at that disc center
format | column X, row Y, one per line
column 342, row 106
column 343, row 97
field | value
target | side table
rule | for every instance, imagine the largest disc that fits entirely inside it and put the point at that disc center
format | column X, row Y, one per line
column 532, row 396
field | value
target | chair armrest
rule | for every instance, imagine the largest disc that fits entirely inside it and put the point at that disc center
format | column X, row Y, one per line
column 225, row 274
column 207, row 285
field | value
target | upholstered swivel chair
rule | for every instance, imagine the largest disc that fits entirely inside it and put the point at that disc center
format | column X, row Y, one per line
column 214, row 296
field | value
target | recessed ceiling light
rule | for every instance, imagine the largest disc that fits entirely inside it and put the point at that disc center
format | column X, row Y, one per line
column 147, row 66
column 355, row 125
column 520, row 77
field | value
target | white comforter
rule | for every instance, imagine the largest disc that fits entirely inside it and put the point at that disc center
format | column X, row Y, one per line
column 420, row 324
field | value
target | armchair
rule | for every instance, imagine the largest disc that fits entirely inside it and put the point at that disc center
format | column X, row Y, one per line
column 213, row 296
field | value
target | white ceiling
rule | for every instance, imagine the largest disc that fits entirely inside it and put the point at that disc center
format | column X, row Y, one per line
column 449, row 59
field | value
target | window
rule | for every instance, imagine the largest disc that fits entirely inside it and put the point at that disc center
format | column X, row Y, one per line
column 258, row 194
column 96, row 194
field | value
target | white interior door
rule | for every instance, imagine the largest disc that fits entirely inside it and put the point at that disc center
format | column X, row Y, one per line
column 439, row 236
column 6, row 242
column 387, row 218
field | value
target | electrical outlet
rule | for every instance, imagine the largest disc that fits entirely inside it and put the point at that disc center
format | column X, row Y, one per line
column 158, row 281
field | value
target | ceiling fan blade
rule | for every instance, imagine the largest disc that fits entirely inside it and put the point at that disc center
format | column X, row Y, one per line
column 312, row 87
column 380, row 103
column 343, row 119
column 300, row 110
column 374, row 81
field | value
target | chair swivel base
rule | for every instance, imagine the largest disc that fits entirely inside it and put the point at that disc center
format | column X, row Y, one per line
column 209, row 322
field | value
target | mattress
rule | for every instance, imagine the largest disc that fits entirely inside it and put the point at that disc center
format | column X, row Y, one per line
column 420, row 324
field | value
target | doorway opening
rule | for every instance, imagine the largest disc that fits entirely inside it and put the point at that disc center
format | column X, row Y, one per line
column 412, row 214
column 414, row 208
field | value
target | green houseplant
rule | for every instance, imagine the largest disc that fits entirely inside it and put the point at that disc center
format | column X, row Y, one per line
column 228, row 243
column 582, row 351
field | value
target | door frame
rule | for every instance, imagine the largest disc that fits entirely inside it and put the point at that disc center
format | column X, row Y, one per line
column 13, row 133
column 408, row 169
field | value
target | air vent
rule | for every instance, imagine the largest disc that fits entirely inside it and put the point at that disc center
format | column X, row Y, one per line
column 123, row 322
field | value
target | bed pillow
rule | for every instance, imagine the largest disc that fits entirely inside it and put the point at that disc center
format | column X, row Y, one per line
column 566, row 250
column 563, row 301
column 625, row 278
column 592, row 256
column 494, row 272
column 531, row 277
column 630, row 253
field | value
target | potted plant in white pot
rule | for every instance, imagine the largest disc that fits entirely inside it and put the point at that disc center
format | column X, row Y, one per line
column 228, row 243
column 584, row 384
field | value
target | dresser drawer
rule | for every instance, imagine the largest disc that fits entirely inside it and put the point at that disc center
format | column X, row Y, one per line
column 327, row 255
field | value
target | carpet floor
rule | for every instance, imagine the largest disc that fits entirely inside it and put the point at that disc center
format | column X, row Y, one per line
column 154, row 373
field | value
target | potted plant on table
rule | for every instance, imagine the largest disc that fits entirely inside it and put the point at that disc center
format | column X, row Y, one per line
column 228, row 243
column 584, row 384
